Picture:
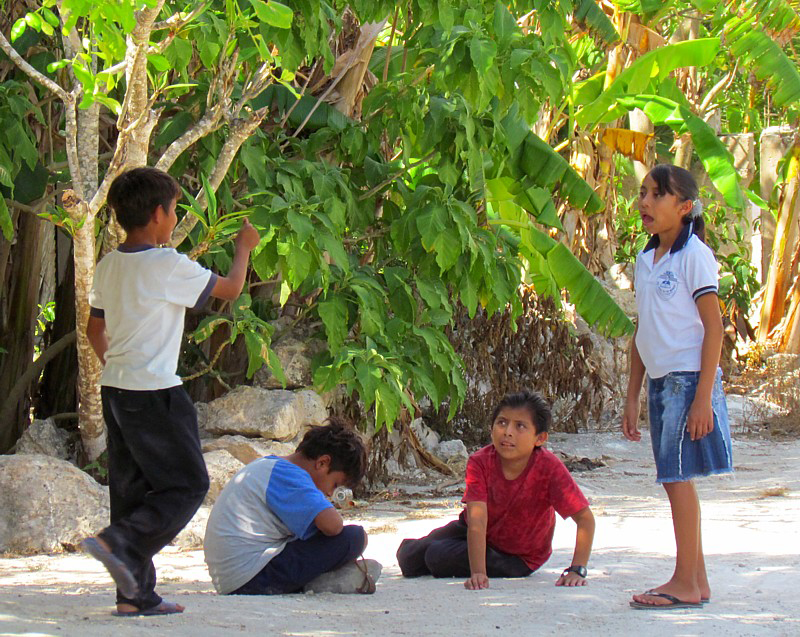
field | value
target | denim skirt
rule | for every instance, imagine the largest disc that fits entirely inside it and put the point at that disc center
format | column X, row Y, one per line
column 678, row 457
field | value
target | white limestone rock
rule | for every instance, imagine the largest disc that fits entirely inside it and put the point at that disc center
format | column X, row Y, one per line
column 276, row 414
column 47, row 505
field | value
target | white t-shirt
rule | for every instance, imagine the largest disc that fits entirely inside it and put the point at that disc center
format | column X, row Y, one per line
column 670, row 332
column 142, row 293
column 266, row 505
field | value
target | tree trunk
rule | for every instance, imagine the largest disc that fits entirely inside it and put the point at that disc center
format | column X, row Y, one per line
column 19, row 324
column 89, row 368
column 641, row 123
column 57, row 391
column 779, row 273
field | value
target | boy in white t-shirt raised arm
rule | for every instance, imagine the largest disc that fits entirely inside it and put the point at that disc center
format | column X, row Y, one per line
column 157, row 476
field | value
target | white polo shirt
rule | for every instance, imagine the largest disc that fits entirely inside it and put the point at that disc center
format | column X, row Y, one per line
column 670, row 333
column 142, row 294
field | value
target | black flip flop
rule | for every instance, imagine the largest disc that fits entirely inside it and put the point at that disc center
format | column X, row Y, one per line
column 164, row 608
column 674, row 603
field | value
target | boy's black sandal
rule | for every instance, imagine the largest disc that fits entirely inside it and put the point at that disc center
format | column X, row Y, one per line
column 577, row 569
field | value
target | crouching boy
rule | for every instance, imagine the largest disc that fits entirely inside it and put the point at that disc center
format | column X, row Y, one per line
column 514, row 487
column 273, row 530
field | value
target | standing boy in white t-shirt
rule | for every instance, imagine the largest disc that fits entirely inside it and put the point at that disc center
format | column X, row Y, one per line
column 157, row 476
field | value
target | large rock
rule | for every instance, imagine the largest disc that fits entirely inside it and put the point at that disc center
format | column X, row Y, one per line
column 295, row 357
column 191, row 536
column 428, row 438
column 44, row 438
column 248, row 449
column 221, row 466
column 275, row 414
column 345, row 579
column 453, row 453
column 747, row 412
column 47, row 504
column 202, row 420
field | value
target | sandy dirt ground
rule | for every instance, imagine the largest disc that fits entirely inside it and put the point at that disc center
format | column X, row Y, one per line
column 751, row 536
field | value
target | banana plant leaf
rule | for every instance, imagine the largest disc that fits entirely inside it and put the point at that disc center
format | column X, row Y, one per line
column 552, row 267
column 652, row 67
column 537, row 164
column 591, row 301
column 641, row 7
column 717, row 160
column 592, row 18
column 755, row 48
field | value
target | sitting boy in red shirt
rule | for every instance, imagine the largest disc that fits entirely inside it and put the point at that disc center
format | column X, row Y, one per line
column 514, row 487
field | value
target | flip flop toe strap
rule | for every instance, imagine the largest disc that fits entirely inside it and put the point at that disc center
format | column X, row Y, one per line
column 368, row 585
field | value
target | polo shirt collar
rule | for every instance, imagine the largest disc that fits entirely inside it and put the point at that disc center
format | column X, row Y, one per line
column 135, row 248
column 680, row 242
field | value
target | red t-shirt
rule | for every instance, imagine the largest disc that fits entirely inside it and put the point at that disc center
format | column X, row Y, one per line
column 521, row 518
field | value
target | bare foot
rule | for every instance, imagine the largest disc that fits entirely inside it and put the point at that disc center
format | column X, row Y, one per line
column 683, row 593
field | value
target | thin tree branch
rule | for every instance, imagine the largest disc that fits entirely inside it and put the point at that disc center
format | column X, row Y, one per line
column 34, row 369
column 321, row 99
column 211, row 121
column 389, row 48
column 240, row 130
column 179, row 20
column 210, row 365
column 69, row 100
column 21, row 206
column 31, row 72
column 720, row 86
column 299, row 97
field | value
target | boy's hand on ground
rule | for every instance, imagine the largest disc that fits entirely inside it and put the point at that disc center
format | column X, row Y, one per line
column 248, row 237
column 700, row 421
column 476, row 582
column 571, row 579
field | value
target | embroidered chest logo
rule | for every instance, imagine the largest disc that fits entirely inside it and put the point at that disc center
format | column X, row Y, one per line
column 667, row 285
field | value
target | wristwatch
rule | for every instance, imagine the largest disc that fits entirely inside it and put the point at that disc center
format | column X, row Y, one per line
column 577, row 569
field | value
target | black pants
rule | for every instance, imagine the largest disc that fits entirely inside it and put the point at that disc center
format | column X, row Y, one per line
column 302, row 560
column 157, row 477
column 443, row 553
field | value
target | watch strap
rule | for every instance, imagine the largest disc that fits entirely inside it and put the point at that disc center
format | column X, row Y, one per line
column 578, row 569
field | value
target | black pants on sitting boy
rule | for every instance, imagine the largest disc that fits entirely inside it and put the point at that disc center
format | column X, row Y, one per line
column 301, row 561
column 443, row 553
column 157, row 478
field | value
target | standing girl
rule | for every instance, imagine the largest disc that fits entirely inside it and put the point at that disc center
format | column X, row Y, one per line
column 677, row 343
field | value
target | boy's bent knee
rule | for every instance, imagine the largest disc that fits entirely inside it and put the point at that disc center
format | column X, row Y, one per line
column 356, row 537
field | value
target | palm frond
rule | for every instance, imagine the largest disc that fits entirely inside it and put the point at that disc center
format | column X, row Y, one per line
column 593, row 19
column 755, row 48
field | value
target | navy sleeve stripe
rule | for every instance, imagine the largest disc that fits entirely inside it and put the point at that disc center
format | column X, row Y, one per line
column 212, row 281
column 708, row 289
column 97, row 312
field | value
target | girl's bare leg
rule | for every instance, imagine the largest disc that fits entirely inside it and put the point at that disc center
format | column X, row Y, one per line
column 689, row 577
column 702, row 576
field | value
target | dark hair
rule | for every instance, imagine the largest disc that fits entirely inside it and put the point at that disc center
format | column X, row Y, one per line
column 136, row 193
column 342, row 443
column 533, row 402
column 681, row 183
